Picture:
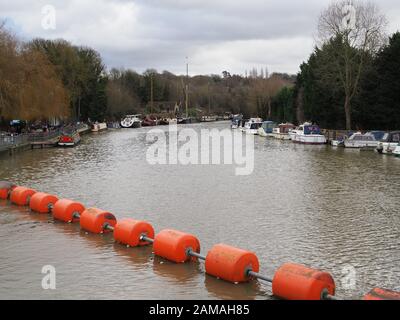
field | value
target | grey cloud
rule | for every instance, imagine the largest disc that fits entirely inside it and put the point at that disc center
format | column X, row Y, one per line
column 215, row 34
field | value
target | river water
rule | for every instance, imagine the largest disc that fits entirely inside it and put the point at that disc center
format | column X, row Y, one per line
column 333, row 209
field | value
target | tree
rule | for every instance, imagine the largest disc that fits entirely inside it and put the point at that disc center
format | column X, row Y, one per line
column 357, row 30
column 379, row 102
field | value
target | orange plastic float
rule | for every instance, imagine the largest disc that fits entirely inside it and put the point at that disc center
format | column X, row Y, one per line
column 174, row 245
column 297, row 282
column 42, row 202
column 230, row 263
column 5, row 189
column 382, row 294
column 21, row 195
column 67, row 210
column 129, row 231
column 96, row 220
column 4, row 194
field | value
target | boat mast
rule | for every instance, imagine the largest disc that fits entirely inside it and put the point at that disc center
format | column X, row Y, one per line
column 187, row 87
column 151, row 92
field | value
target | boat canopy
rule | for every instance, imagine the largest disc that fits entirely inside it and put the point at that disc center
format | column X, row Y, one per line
column 391, row 137
column 268, row 126
column 312, row 129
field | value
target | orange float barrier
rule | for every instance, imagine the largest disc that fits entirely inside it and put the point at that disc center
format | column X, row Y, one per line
column 21, row 195
column 67, row 210
column 297, row 282
column 230, row 263
column 42, row 202
column 382, row 294
column 130, row 231
column 175, row 246
column 97, row 221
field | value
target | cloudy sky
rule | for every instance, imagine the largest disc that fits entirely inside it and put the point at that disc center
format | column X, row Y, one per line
column 216, row 35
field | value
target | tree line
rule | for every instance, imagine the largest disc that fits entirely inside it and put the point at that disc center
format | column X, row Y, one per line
column 43, row 79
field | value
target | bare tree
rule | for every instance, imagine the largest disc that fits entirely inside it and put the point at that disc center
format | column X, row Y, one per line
column 359, row 29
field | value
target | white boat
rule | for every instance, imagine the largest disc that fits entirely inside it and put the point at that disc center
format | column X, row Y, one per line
column 396, row 151
column 96, row 127
column 252, row 126
column 337, row 143
column 389, row 142
column 308, row 134
column 282, row 132
column 236, row 121
column 359, row 140
column 293, row 132
column 131, row 121
column 209, row 118
column 266, row 129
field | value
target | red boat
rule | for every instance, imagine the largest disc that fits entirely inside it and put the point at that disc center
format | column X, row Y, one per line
column 149, row 121
column 69, row 140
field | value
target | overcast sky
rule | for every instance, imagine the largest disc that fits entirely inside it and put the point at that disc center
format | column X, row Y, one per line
column 216, row 35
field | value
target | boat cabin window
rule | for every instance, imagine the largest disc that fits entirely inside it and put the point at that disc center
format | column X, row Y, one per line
column 396, row 137
column 255, row 126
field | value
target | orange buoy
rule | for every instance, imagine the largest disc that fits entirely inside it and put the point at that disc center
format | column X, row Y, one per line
column 42, row 202
column 297, row 282
column 174, row 245
column 382, row 294
column 67, row 210
column 230, row 263
column 21, row 195
column 5, row 189
column 129, row 231
column 96, row 220
column 4, row 194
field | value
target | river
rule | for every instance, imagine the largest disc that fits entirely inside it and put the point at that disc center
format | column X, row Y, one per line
column 333, row 209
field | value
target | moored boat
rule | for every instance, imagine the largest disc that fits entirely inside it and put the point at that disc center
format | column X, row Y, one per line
column 266, row 129
column 396, row 151
column 149, row 121
column 308, row 134
column 69, row 139
column 187, row 120
column 359, row 140
column 389, row 142
column 209, row 118
column 282, row 132
column 252, row 126
column 97, row 127
column 131, row 121
column 236, row 121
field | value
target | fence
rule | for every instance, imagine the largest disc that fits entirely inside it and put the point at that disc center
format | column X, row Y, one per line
column 9, row 141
